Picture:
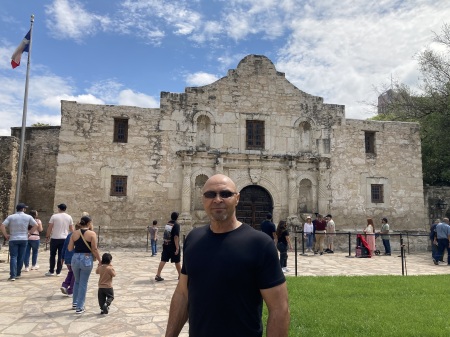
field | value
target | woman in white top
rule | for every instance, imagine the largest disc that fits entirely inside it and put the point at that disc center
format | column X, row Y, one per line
column 370, row 235
column 34, row 240
column 308, row 233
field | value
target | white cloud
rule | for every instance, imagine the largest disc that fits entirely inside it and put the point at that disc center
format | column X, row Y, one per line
column 131, row 98
column 200, row 78
column 68, row 19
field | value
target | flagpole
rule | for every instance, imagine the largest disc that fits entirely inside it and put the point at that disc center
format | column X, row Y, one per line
column 24, row 118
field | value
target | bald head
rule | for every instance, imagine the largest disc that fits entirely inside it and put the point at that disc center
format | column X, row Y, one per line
column 220, row 179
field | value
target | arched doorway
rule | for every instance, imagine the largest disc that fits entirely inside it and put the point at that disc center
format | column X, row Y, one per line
column 254, row 204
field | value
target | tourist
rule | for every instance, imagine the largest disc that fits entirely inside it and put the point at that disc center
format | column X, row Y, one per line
column 308, row 234
column 84, row 244
column 283, row 244
column 17, row 225
column 385, row 237
column 153, row 230
column 442, row 237
column 171, row 246
column 320, row 226
column 59, row 226
column 434, row 244
column 66, row 255
column 268, row 227
column 370, row 235
column 105, row 288
column 228, row 270
column 331, row 234
column 34, row 240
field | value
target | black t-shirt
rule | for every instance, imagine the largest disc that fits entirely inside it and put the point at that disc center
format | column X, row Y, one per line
column 282, row 237
column 225, row 274
column 171, row 229
column 268, row 227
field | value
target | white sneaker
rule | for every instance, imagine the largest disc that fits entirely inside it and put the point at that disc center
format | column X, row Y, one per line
column 49, row 274
column 27, row 269
column 36, row 267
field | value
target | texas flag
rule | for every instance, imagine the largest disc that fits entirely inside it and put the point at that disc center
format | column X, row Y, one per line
column 23, row 46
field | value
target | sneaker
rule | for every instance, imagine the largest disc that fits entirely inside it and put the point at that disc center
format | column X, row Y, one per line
column 12, row 279
column 49, row 274
column 330, row 252
column 105, row 308
column 58, row 274
column 74, row 306
column 18, row 276
column 69, row 295
column 80, row 311
column 63, row 290
column 36, row 267
column 158, row 278
column 435, row 262
column 27, row 269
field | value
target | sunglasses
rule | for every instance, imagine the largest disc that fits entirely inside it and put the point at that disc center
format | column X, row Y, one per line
column 222, row 194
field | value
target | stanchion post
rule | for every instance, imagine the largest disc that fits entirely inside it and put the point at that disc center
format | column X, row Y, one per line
column 402, row 254
column 295, row 254
column 407, row 240
column 349, row 244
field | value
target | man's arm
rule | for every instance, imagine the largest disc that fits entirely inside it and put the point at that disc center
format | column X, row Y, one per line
column 178, row 313
column 49, row 231
column 3, row 229
column 276, row 299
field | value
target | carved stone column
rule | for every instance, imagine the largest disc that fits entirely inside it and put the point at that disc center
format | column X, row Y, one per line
column 293, row 196
column 186, row 191
column 323, row 192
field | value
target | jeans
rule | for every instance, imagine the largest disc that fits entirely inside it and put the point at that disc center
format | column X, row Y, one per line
column 32, row 245
column 309, row 240
column 387, row 246
column 282, row 247
column 153, row 244
column 442, row 245
column 56, row 246
column 69, row 282
column 16, row 254
column 82, row 264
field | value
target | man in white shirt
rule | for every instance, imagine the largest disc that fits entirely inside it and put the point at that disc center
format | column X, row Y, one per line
column 58, row 228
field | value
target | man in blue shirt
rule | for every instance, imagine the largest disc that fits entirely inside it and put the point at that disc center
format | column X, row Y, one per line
column 19, row 225
column 443, row 238
column 268, row 227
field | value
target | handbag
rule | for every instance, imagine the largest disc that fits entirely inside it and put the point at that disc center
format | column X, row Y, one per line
column 87, row 245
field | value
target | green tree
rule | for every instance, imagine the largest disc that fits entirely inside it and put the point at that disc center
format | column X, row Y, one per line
column 430, row 107
column 40, row 124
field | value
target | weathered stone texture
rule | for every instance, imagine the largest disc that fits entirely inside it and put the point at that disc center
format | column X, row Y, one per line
column 9, row 154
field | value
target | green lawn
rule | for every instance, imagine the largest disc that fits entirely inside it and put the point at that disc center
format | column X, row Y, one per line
column 369, row 306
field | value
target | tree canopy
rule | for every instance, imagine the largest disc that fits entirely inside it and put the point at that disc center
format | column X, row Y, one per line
column 430, row 107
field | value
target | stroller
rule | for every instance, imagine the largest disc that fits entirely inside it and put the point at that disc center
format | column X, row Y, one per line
column 362, row 247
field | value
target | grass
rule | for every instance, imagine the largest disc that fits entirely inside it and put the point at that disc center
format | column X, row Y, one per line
column 369, row 306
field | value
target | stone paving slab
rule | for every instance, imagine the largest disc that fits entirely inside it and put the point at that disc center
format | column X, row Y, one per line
column 35, row 306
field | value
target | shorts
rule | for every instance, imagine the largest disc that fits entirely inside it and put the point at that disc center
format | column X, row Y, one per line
column 168, row 254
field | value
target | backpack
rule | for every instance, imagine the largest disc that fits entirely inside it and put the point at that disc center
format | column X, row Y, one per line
column 167, row 236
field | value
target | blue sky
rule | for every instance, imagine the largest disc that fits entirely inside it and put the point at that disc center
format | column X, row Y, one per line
column 127, row 52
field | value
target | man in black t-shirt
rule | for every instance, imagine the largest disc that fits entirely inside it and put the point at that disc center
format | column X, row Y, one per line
column 228, row 270
column 171, row 246
column 268, row 227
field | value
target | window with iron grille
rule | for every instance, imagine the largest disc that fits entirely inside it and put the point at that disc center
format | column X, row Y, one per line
column 119, row 186
column 120, row 130
column 376, row 193
column 369, row 137
column 255, row 134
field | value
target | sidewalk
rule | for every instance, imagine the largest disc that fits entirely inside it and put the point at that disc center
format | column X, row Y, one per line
column 35, row 306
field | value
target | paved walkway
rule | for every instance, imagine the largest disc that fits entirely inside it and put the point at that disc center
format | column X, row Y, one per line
column 34, row 305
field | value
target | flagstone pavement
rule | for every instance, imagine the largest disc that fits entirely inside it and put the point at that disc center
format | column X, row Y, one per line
column 35, row 306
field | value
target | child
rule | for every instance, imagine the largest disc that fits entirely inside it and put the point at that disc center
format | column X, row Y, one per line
column 105, row 289
column 66, row 256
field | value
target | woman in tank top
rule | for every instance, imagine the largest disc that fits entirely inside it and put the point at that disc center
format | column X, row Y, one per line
column 84, row 244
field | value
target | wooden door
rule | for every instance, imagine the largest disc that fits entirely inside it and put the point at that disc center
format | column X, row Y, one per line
column 254, row 204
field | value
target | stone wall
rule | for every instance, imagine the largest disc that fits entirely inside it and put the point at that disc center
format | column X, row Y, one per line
column 396, row 164
column 9, row 154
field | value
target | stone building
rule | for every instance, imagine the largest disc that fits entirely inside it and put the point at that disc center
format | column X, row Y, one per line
column 289, row 153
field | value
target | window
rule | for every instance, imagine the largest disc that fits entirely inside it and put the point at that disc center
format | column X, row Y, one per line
column 376, row 192
column 370, row 141
column 119, row 186
column 120, row 130
column 326, row 146
column 255, row 134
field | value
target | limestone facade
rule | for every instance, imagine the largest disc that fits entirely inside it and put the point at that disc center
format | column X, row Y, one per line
column 289, row 153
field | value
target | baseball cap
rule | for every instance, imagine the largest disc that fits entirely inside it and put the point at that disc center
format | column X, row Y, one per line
column 20, row 206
